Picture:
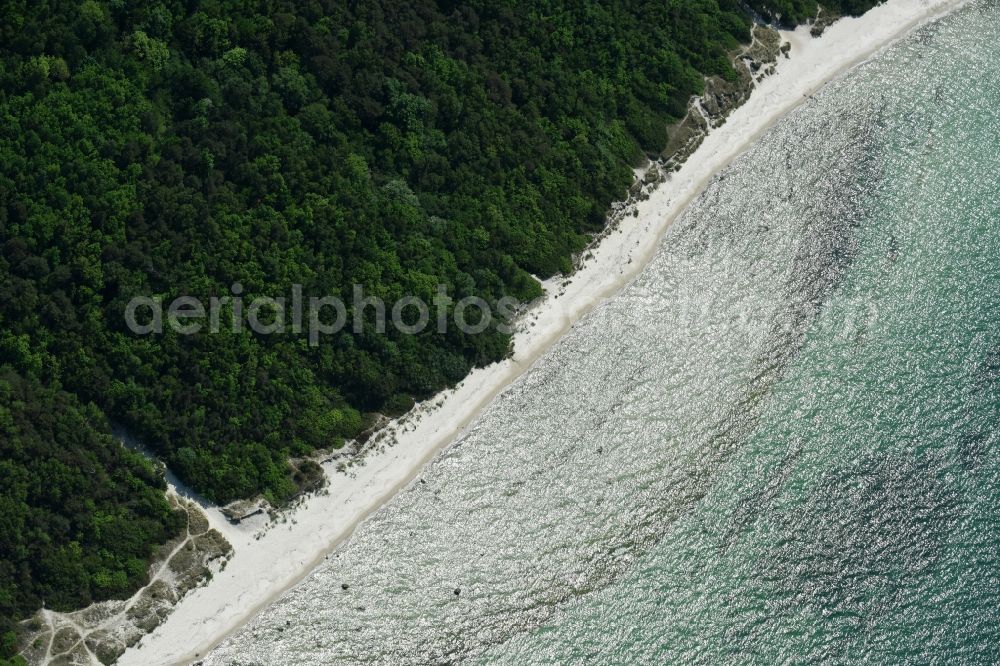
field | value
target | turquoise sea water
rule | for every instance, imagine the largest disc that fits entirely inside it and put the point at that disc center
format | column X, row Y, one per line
column 778, row 445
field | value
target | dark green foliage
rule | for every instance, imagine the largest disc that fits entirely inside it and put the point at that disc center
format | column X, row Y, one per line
column 8, row 643
column 80, row 515
column 170, row 148
column 793, row 12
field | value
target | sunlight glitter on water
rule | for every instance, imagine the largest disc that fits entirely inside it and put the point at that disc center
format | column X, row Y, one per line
column 780, row 440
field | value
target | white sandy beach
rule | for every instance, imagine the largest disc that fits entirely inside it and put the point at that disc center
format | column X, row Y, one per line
column 262, row 569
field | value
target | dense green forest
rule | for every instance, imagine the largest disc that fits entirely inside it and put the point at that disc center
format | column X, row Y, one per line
column 793, row 12
column 80, row 515
column 176, row 147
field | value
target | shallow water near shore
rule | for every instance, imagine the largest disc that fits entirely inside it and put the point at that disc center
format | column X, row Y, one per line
column 779, row 443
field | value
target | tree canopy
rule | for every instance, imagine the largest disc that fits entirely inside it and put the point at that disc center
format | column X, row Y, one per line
column 80, row 515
